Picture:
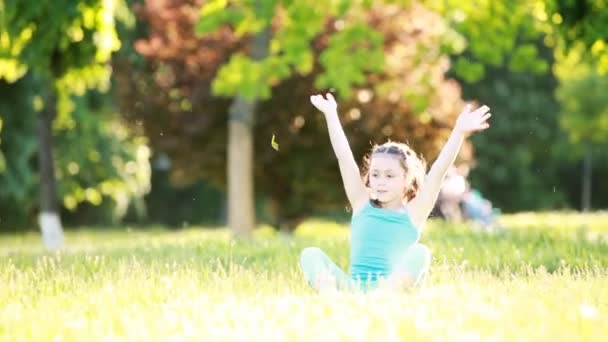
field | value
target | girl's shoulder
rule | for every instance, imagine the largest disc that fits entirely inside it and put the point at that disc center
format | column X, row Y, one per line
column 360, row 208
column 416, row 222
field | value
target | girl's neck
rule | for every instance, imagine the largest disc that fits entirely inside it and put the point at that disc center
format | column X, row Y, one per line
column 392, row 205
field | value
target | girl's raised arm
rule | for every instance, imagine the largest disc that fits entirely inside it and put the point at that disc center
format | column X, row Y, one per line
column 351, row 177
column 468, row 122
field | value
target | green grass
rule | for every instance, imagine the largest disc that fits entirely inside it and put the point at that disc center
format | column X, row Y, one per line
column 546, row 278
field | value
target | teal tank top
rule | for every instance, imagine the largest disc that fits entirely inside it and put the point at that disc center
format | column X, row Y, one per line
column 379, row 239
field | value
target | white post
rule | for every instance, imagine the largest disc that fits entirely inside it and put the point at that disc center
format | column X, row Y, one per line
column 52, row 233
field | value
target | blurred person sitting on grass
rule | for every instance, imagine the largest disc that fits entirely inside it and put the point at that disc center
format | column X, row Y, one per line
column 451, row 194
column 390, row 205
column 480, row 211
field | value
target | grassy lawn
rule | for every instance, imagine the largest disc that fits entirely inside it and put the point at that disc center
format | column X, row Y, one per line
column 546, row 278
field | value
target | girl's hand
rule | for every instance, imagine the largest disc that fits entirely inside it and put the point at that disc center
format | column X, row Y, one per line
column 473, row 121
column 325, row 105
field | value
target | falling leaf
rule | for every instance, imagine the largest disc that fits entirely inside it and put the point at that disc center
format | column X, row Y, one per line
column 274, row 143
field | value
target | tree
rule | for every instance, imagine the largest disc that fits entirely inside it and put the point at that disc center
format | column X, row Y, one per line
column 408, row 100
column 102, row 163
column 18, row 180
column 584, row 112
column 101, row 166
column 2, row 160
column 581, row 23
column 582, row 96
column 282, row 32
column 518, row 159
column 276, row 35
column 66, row 45
column 508, row 39
column 579, row 30
column 494, row 34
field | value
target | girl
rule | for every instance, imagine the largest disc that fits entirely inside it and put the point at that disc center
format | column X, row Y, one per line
column 390, row 206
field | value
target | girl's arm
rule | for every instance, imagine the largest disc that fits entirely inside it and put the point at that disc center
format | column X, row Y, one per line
column 468, row 122
column 351, row 177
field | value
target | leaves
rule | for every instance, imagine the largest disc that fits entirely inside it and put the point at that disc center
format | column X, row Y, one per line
column 19, row 147
column 244, row 17
column 62, row 46
column 583, row 22
column 585, row 108
column 101, row 160
column 351, row 52
column 82, row 32
column 67, row 43
column 493, row 30
column 301, row 179
column 2, row 160
column 274, row 144
column 469, row 71
column 525, row 57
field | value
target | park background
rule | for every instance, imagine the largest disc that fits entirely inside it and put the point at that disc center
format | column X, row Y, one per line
column 159, row 130
column 140, row 102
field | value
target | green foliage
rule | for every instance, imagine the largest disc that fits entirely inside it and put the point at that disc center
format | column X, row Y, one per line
column 182, row 206
column 243, row 75
column 19, row 146
column 583, row 113
column 68, row 43
column 530, row 34
column 246, row 16
column 100, row 159
column 408, row 100
column 97, row 159
column 518, row 159
column 469, row 71
column 2, row 160
column 501, row 50
column 525, row 57
column 65, row 47
column 497, row 33
column 585, row 108
column 81, row 32
column 586, row 22
column 582, row 95
column 351, row 52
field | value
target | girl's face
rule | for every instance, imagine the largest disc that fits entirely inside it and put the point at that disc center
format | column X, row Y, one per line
column 386, row 178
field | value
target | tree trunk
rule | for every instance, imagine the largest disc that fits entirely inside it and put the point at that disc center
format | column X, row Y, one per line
column 48, row 218
column 241, row 207
column 241, row 213
column 586, row 187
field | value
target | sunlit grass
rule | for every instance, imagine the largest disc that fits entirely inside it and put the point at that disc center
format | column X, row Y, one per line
column 594, row 224
column 541, row 280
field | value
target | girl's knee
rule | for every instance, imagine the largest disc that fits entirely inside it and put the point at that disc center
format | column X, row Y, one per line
column 418, row 259
column 416, row 265
column 311, row 257
column 421, row 250
column 310, row 253
column 314, row 265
